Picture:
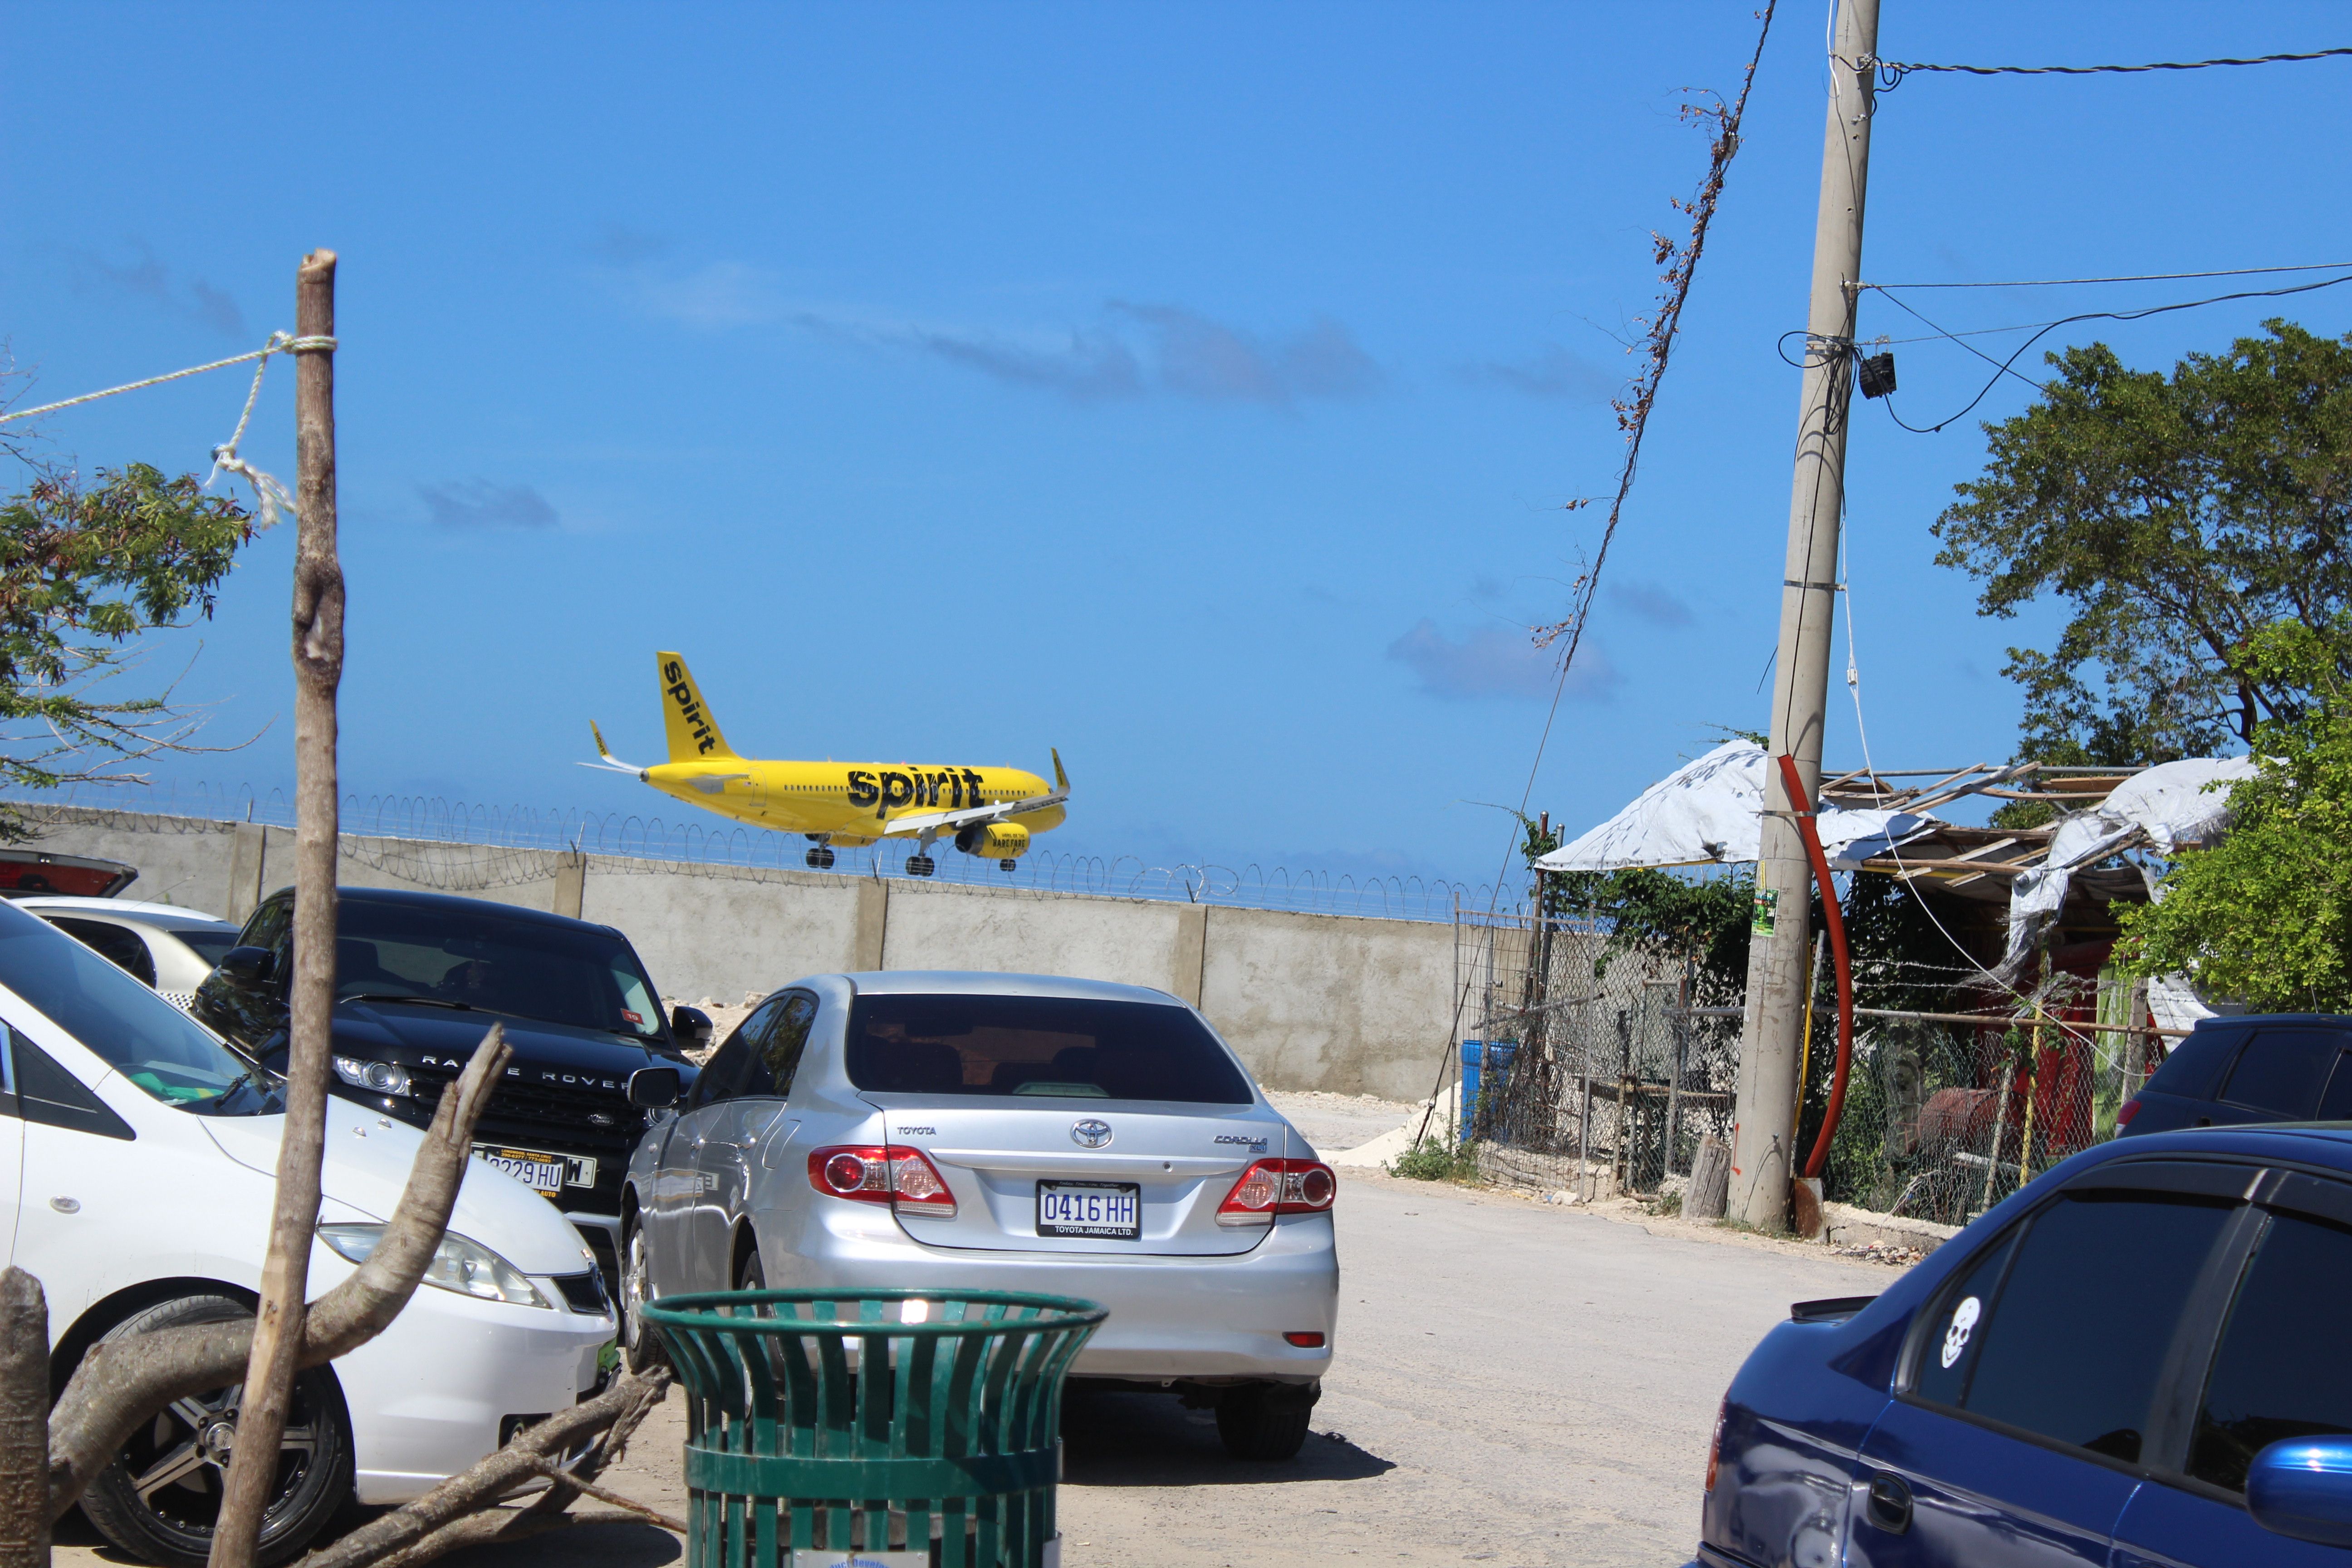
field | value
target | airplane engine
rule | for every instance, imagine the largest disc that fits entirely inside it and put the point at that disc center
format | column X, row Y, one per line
column 995, row 841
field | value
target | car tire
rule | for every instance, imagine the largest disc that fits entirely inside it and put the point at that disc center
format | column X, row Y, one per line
column 158, row 1498
column 1266, row 1421
column 748, row 1274
column 641, row 1344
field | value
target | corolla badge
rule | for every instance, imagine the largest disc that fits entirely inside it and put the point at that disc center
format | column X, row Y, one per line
column 1090, row 1133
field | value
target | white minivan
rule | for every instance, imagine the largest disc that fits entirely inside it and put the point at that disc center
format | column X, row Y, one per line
column 137, row 1172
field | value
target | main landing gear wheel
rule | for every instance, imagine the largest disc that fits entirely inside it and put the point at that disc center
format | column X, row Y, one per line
column 920, row 864
column 819, row 858
column 1006, row 865
column 159, row 1496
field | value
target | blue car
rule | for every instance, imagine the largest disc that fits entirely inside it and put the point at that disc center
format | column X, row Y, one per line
column 2272, row 1066
column 2142, row 1359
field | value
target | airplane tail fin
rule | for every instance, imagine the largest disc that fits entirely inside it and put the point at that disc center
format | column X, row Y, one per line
column 693, row 732
column 1061, row 779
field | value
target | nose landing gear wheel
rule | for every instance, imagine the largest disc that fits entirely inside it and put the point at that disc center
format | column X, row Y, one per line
column 820, row 859
column 920, row 864
column 1006, row 865
column 158, row 1499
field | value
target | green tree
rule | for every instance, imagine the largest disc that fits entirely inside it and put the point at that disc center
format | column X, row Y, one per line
column 84, row 573
column 2264, row 917
column 2175, row 517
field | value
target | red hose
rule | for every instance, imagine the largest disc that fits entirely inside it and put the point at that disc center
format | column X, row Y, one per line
column 1834, row 918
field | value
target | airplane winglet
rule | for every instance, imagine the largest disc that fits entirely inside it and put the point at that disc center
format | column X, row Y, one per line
column 610, row 761
column 1061, row 779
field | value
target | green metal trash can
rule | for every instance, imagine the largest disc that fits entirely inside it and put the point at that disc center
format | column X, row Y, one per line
column 904, row 1427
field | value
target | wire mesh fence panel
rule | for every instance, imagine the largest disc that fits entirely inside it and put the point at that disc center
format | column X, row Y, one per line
column 1606, row 1060
column 1594, row 1055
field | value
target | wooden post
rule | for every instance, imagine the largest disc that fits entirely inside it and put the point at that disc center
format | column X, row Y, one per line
column 318, row 672
column 24, row 1422
column 2136, row 1042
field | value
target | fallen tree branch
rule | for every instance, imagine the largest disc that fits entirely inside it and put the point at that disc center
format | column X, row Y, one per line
column 555, row 1472
column 124, row 1382
column 452, row 1514
column 24, row 1421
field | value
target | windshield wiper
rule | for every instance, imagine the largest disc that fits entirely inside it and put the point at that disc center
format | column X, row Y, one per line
column 404, row 996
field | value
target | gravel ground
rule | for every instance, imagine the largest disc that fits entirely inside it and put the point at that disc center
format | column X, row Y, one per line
column 1514, row 1382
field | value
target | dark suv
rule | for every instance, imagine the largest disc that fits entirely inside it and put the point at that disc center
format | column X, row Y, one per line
column 2274, row 1066
column 419, row 977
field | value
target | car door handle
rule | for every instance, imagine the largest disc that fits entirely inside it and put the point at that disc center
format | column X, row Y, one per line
column 1890, row 1503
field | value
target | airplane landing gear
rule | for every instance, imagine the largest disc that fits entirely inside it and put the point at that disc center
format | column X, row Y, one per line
column 819, row 858
column 1006, row 865
column 920, row 864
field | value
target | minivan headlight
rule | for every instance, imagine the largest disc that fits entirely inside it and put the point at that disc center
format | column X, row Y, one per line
column 460, row 1264
column 380, row 1077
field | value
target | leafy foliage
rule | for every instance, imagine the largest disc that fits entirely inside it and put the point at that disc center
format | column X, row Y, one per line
column 83, row 573
column 2264, row 917
column 2176, row 517
column 1436, row 1160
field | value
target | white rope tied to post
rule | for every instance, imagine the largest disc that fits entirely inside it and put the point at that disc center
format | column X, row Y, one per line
column 271, row 495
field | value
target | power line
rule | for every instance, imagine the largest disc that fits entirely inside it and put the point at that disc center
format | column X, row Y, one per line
column 2090, row 316
column 1892, row 72
column 2134, row 278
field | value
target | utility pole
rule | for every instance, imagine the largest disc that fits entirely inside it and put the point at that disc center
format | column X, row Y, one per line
column 1763, row 1151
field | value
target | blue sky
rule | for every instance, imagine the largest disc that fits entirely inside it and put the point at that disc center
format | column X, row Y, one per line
column 1194, row 388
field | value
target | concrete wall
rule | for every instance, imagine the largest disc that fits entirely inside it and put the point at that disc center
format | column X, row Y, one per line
column 1324, row 1002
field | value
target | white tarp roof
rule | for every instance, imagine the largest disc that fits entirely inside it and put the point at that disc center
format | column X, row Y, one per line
column 1710, row 812
column 2168, row 804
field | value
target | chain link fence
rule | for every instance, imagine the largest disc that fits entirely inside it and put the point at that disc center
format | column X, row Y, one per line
column 1577, row 1066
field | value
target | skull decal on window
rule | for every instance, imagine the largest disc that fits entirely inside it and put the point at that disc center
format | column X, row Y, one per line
column 1964, row 1322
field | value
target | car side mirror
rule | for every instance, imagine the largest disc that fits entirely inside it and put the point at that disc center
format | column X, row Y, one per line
column 653, row 1089
column 2303, row 1487
column 249, row 965
column 692, row 1026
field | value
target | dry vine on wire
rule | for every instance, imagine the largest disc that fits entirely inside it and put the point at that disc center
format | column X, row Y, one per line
column 1680, row 259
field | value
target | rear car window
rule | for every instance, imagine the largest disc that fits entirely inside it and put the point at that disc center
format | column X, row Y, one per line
column 1062, row 1047
column 2065, row 1332
column 2194, row 1067
column 2281, row 1070
column 2284, row 1368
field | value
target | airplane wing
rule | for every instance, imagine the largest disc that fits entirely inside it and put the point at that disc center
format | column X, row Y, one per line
column 948, row 821
column 716, row 784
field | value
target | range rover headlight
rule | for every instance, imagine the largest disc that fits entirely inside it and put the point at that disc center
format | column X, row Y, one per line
column 378, row 1077
column 460, row 1264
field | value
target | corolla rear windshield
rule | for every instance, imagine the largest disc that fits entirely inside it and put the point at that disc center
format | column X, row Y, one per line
column 152, row 1042
column 558, row 974
column 1063, row 1048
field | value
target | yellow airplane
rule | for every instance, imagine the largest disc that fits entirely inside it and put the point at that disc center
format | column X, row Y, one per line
column 988, row 812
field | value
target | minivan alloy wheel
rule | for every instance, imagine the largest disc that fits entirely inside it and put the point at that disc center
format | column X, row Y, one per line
column 640, row 1346
column 159, row 1497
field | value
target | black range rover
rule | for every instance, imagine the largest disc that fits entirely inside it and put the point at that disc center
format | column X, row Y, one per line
column 419, row 978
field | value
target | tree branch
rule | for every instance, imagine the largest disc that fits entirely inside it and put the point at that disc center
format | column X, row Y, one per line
column 439, row 1521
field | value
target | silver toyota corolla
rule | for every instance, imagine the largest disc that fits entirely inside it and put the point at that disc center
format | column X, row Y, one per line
column 1007, row 1133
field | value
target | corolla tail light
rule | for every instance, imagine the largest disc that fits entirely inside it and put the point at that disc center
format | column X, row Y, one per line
column 1270, row 1187
column 877, row 1174
column 2126, row 1111
column 1714, row 1444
